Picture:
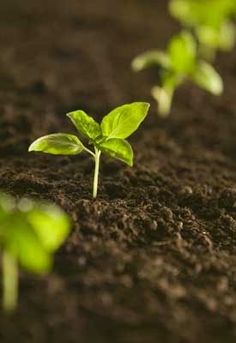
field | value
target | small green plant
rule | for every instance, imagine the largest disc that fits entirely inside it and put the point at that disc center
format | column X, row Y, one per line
column 179, row 63
column 109, row 137
column 30, row 232
column 210, row 20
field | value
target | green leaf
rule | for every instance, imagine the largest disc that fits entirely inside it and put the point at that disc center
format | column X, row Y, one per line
column 58, row 144
column 151, row 58
column 51, row 225
column 184, row 10
column 124, row 120
column 22, row 242
column 85, row 124
column 118, row 148
column 222, row 37
column 206, row 77
column 182, row 51
column 227, row 36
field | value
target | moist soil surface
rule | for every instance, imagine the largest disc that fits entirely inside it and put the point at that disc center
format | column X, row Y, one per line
column 153, row 259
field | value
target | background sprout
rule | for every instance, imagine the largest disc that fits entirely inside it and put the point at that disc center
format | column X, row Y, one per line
column 30, row 232
column 178, row 64
column 210, row 20
column 109, row 137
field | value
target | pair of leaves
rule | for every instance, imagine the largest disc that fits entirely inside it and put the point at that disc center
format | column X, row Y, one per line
column 32, row 231
column 109, row 137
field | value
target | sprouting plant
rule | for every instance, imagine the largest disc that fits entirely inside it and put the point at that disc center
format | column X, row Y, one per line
column 176, row 65
column 109, row 137
column 210, row 20
column 30, row 232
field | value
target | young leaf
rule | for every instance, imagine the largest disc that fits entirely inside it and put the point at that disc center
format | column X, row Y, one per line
column 119, row 149
column 222, row 37
column 182, row 51
column 22, row 242
column 85, row 124
column 151, row 58
column 183, row 10
column 58, row 144
column 207, row 78
column 50, row 224
column 227, row 35
column 124, row 120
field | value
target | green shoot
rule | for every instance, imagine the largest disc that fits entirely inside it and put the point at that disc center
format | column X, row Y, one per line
column 109, row 137
column 210, row 21
column 30, row 232
column 177, row 64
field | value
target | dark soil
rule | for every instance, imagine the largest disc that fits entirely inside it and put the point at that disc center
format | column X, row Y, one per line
column 154, row 258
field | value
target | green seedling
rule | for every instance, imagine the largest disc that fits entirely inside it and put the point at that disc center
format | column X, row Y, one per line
column 210, row 20
column 176, row 65
column 109, row 137
column 30, row 233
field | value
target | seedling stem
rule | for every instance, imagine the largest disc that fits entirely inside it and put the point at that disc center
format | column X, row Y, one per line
column 96, row 171
column 10, row 281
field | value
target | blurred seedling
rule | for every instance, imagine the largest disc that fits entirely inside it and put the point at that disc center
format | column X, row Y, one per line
column 109, row 137
column 30, row 233
column 210, row 20
column 176, row 65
